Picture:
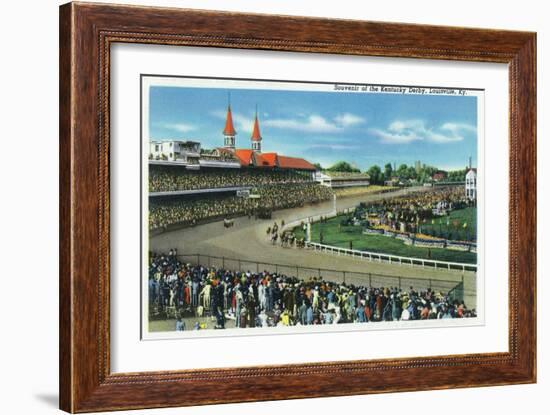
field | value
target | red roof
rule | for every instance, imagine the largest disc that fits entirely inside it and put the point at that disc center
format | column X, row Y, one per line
column 253, row 158
column 256, row 136
column 229, row 129
column 259, row 161
column 294, row 163
column 271, row 159
column 265, row 160
column 245, row 156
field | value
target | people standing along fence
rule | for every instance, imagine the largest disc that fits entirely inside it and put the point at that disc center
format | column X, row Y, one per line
column 264, row 298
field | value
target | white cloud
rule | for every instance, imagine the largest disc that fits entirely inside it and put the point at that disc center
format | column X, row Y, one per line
column 402, row 132
column 179, row 127
column 457, row 127
column 307, row 123
column 316, row 123
column 335, row 146
column 313, row 123
column 348, row 120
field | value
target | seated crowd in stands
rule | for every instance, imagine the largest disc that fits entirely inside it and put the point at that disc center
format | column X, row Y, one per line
column 361, row 190
column 346, row 175
column 165, row 179
column 267, row 299
column 271, row 197
column 417, row 208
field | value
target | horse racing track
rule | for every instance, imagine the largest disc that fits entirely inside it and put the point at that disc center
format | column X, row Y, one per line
column 245, row 246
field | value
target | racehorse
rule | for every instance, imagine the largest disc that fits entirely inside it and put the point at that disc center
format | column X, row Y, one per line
column 228, row 223
column 287, row 238
column 284, row 238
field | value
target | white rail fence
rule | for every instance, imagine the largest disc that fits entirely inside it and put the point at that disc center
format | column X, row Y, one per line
column 316, row 218
column 391, row 259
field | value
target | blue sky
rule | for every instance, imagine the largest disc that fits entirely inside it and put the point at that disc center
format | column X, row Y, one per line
column 325, row 127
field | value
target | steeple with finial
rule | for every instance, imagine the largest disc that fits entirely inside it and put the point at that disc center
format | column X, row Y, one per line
column 229, row 132
column 256, row 137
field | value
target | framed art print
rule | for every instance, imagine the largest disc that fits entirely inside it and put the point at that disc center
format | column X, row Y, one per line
column 291, row 210
column 252, row 238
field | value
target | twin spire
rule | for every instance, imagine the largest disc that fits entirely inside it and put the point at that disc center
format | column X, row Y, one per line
column 230, row 133
column 256, row 136
column 229, row 128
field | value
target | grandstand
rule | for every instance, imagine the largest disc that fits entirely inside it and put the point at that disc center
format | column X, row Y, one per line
column 200, row 207
column 189, row 184
column 174, row 178
column 338, row 180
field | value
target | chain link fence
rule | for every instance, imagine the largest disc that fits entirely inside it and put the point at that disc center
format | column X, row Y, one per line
column 454, row 288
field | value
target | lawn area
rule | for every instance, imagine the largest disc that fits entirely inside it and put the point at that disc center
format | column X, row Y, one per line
column 455, row 230
column 336, row 235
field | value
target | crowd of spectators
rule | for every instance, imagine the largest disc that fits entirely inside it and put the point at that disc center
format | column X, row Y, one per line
column 269, row 198
column 347, row 175
column 362, row 190
column 268, row 299
column 217, row 155
column 411, row 210
column 169, row 178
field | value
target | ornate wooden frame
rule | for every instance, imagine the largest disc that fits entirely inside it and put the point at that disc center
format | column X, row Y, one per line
column 86, row 33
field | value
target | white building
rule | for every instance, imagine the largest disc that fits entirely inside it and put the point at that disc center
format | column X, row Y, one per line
column 338, row 180
column 175, row 150
column 471, row 184
column 322, row 178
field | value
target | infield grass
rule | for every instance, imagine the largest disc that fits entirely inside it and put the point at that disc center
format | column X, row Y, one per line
column 334, row 234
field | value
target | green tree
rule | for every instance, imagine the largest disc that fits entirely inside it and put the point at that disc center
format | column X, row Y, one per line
column 411, row 173
column 425, row 174
column 344, row 166
column 403, row 172
column 376, row 176
column 457, row 175
column 388, row 171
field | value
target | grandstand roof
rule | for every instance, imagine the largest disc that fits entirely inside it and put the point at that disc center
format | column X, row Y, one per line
column 294, row 163
column 260, row 161
column 249, row 157
column 269, row 159
column 245, row 156
column 229, row 129
column 256, row 136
